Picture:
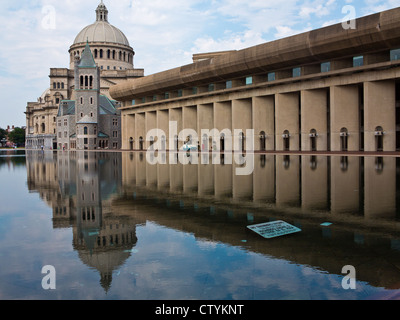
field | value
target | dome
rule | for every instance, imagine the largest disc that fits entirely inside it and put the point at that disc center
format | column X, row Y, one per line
column 101, row 31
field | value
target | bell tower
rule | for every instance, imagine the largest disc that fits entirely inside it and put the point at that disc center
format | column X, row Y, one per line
column 87, row 95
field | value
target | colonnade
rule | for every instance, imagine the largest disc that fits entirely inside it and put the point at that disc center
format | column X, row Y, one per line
column 352, row 117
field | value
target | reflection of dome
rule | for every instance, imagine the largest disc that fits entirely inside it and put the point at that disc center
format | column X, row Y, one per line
column 101, row 31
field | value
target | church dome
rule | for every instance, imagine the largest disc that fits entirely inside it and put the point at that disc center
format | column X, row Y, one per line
column 101, row 30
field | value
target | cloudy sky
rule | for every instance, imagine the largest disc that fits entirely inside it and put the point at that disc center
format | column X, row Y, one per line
column 36, row 34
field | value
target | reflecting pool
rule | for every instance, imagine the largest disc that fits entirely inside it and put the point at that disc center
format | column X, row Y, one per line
column 114, row 226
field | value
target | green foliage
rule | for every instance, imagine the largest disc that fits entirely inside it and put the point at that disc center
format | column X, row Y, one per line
column 17, row 136
column 3, row 134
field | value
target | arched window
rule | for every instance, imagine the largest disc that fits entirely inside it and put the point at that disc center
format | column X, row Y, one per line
column 81, row 82
column 113, row 54
column 286, row 140
column 85, row 130
column 262, row 141
column 91, row 82
column 313, row 137
column 120, row 55
column 108, row 54
column 379, row 138
column 54, row 85
column 344, row 134
column 101, row 53
column 43, row 128
column 86, row 82
column 124, row 56
column 62, row 85
column 81, row 100
column 95, row 53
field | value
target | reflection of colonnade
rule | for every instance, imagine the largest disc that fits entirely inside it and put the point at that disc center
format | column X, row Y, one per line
column 337, row 184
column 80, row 187
column 303, row 190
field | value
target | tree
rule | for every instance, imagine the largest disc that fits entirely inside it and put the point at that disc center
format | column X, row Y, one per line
column 17, row 136
column 3, row 134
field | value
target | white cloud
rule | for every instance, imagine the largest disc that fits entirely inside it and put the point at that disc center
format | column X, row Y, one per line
column 164, row 34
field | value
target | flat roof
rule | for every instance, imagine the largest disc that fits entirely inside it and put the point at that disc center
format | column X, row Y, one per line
column 374, row 33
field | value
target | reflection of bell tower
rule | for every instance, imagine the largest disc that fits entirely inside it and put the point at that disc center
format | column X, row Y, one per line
column 104, row 241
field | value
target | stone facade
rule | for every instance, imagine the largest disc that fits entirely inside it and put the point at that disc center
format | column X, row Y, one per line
column 92, row 121
column 114, row 57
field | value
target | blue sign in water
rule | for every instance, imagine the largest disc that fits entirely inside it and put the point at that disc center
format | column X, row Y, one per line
column 274, row 229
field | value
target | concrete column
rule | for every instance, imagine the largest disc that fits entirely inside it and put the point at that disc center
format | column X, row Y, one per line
column 287, row 118
column 190, row 177
column 344, row 110
column 176, row 177
column 314, row 179
column 163, row 124
column 176, row 115
column 242, row 187
column 264, row 178
column 345, row 184
column 287, row 180
column 379, row 187
column 264, row 121
column 223, row 180
column 141, row 169
column 151, row 123
column 205, row 120
column 223, row 116
column 314, row 117
column 163, row 182
column 380, row 110
column 189, row 122
column 241, row 119
column 140, row 129
column 206, row 176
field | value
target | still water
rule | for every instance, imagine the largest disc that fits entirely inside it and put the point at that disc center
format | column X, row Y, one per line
column 116, row 227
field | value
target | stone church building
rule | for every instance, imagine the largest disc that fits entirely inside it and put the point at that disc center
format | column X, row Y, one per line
column 114, row 58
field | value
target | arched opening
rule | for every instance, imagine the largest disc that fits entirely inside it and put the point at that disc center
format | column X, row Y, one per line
column 176, row 140
column 151, row 142
column 242, row 139
column 163, row 143
column 131, row 143
column 113, row 54
column 141, row 143
column 286, row 140
column 379, row 138
column 86, row 82
column 43, row 128
column 344, row 134
column 108, row 54
column 81, row 82
column 263, row 138
column 101, row 53
column 91, row 82
column 95, row 53
column 222, row 142
column 204, row 142
column 313, row 139
column 85, row 130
